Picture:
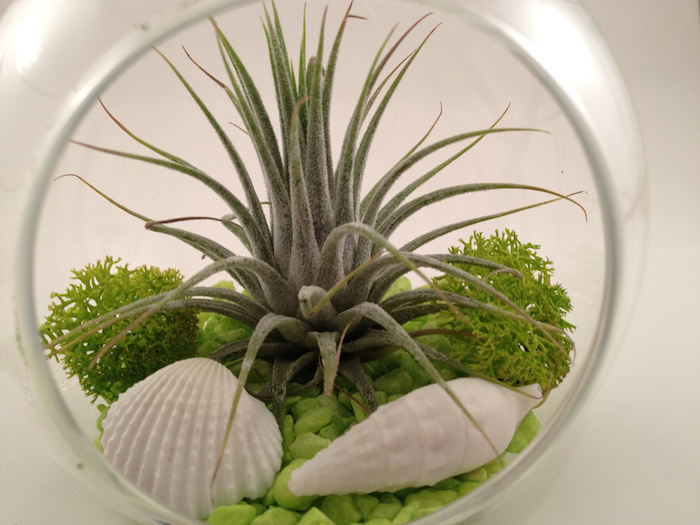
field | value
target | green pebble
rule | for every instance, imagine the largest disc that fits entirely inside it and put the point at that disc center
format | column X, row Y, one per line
column 420, row 377
column 315, row 516
column 344, row 383
column 448, row 375
column 302, row 406
column 344, row 423
column 494, row 465
column 375, row 369
column 230, row 285
column 528, row 429
column 287, row 458
column 410, row 326
column 386, row 511
column 254, row 388
column 314, row 419
column 389, row 497
column 467, row 486
column 398, row 381
column 226, row 335
column 418, row 374
column 269, row 498
column 288, row 434
column 402, row 284
column 357, row 408
column 341, row 509
column 240, row 514
column 404, row 360
column 366, row 503
column 277, row 516
column 478, row 475
column 345, row 400
column 207, row 323
column 290, row 401
column 331, row 431
column 447, row 484
column 306, row 445
column 430, row 497
column 304, row 391
column 207, row 348
column 406, row 514
column 334, row 403
column 394, row 397
column 261, row 372
column 402, row 493
column 283, row 496
column 391, row 361
column 424, row 512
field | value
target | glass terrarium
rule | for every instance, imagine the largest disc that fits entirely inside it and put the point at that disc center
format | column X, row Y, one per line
column 365, row 210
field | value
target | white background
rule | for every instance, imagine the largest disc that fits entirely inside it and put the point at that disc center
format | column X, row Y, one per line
column 631, row 456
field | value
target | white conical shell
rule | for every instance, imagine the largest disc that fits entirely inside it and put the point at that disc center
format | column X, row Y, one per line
column 418, row 439
column 165, row 433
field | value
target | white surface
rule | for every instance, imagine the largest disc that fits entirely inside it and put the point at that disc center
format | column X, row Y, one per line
column 631, row 456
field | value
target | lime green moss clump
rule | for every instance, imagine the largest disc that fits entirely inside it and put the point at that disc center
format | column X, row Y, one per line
column 166, row 337
column 507, row 349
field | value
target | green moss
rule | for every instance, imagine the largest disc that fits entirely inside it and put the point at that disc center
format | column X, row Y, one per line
column 163, row 338
column 512, row 351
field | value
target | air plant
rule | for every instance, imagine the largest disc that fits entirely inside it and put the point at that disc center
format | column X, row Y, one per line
column 320, row 261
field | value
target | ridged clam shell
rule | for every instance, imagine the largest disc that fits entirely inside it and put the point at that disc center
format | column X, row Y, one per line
column 165, row 433
column 418, row 440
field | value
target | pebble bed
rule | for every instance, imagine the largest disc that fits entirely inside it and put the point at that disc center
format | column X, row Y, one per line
column 313, row 420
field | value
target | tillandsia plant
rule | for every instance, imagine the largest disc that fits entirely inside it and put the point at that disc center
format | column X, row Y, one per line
column 320, row 261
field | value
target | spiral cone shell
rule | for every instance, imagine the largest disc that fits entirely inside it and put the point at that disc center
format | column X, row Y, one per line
column 418, row 439
column 165, row 433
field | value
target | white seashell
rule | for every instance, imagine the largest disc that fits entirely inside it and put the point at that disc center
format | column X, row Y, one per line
column 418, row 440
column 165, row 433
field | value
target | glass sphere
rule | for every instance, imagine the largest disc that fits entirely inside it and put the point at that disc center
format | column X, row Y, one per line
column 543, row 63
